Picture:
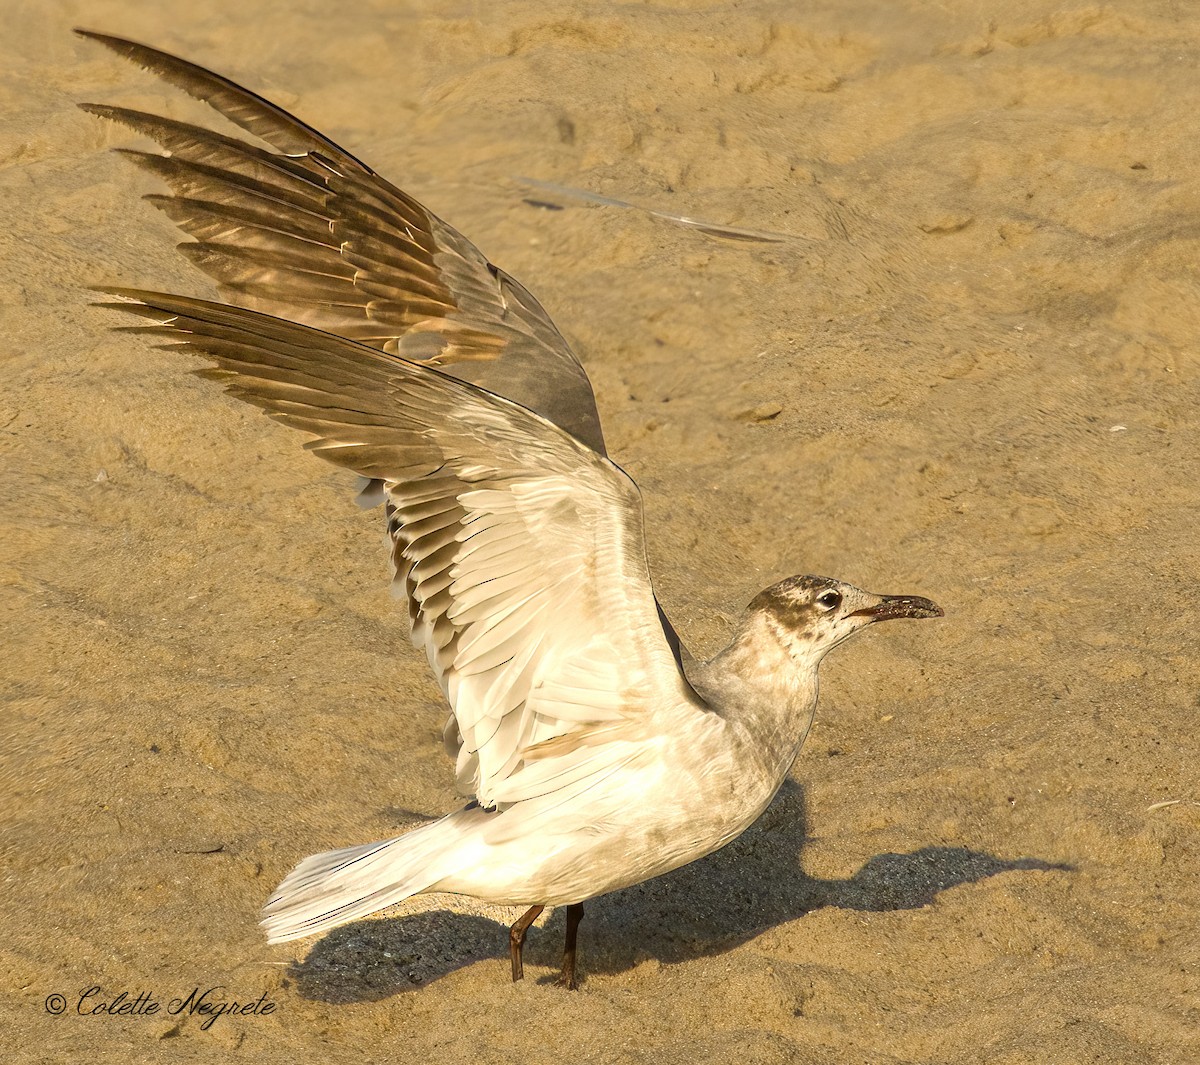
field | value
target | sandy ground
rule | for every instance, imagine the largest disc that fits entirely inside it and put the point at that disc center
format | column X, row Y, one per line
column 969, row 372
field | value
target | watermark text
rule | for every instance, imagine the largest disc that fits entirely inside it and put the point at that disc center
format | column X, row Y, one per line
column 208, row 1003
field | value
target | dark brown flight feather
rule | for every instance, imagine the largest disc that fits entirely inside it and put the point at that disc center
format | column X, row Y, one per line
column 316, row 236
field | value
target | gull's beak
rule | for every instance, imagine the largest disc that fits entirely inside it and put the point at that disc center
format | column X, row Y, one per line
column 900, row 606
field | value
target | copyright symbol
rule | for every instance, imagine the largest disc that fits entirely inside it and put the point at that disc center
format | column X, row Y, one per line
column 56, row 1004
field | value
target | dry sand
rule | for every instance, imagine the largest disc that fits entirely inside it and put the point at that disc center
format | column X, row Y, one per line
column 980, row 340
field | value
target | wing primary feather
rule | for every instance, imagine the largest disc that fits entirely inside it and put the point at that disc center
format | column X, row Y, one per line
column 190, row 178
column 241, row 106
column 210, row 222
column 183, row 139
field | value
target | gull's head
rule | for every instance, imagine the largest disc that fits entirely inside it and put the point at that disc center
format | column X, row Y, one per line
column 810, row 616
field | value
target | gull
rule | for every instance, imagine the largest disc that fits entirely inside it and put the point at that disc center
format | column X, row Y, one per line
column 596, row 750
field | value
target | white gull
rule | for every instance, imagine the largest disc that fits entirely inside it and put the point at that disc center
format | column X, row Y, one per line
column 598, row 751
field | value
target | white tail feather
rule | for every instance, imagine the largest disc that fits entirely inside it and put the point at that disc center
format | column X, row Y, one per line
column 336, row 887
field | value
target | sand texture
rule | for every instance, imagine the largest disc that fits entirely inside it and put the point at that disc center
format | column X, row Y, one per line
column 967, row 369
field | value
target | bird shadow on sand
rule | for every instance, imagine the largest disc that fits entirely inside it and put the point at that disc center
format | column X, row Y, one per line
column 705, row 908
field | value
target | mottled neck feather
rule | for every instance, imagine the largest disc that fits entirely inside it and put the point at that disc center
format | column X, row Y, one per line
column 765, row 685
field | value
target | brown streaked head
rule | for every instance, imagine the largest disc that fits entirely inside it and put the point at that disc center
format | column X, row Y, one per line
column 812, row 615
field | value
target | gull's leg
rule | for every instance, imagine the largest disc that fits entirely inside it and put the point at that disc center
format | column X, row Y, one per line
column 516, row 940
column 574, row 916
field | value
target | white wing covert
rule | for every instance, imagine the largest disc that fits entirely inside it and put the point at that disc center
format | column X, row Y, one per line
column 520, row 550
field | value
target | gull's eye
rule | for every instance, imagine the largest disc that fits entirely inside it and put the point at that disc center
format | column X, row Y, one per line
column 830, row 600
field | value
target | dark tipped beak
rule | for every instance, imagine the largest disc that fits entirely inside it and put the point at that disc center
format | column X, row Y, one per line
column 900, row 606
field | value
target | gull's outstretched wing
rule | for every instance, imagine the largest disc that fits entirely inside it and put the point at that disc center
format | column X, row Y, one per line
column 310, row 233
column 520, row 549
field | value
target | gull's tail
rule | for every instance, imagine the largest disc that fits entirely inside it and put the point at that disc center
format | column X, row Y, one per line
column 336, row 887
